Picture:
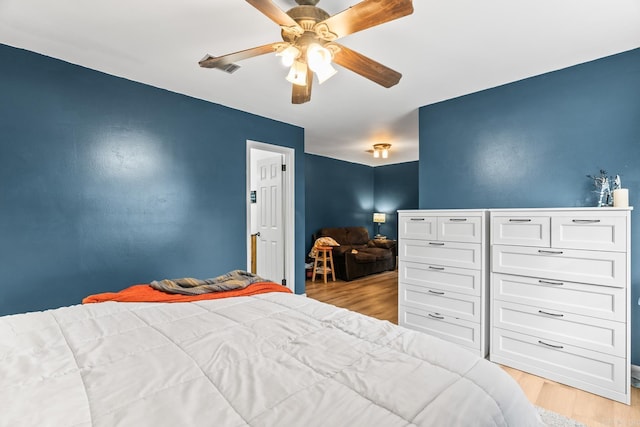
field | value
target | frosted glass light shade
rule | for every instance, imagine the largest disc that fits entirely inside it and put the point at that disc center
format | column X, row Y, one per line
column 298, row 74
column 289, row 55
column 317, row 57
column 325, row 72
column 381, row 150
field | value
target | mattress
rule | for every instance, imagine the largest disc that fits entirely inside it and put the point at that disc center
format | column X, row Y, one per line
column 267, row 360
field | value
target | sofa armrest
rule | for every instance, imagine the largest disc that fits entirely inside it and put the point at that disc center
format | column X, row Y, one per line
column 382, row 243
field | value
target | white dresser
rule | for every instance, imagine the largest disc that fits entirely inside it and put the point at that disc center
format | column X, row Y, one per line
column 560, row 295
column 442, row 275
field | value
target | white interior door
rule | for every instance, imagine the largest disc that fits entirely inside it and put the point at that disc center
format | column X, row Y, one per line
column 270, row 242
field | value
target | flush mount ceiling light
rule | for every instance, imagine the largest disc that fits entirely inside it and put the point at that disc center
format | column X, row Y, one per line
column 381, row 150
column 309, row 34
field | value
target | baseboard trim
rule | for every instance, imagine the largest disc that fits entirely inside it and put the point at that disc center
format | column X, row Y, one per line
column 635, row 376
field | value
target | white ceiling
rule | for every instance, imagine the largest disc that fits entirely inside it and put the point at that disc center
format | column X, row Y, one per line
column 447, row 48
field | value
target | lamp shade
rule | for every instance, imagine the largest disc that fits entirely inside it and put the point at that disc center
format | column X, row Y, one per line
column 379, row 217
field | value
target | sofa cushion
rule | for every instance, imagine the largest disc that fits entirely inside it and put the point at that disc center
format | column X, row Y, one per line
column 357, row 235
column 364, row 257
column 341, row 250
column 338, row 233
column 379, row 253
column 387, row 244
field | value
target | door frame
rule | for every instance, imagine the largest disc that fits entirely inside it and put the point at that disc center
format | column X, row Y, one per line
column 288, row 208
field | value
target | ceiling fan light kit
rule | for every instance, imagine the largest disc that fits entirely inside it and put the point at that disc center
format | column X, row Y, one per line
column 309, row 46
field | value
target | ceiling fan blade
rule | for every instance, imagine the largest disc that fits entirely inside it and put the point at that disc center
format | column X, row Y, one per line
column 277, row 15
column 366, row 67
column 220, row 61
column 302, row 94
column 366, row 14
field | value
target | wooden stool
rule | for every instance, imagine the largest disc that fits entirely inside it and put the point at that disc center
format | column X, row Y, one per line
column 327, row 263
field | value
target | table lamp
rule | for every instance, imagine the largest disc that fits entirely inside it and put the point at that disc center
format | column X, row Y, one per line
column 379, row 218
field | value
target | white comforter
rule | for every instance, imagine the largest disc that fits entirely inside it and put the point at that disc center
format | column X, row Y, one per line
column 267, row 360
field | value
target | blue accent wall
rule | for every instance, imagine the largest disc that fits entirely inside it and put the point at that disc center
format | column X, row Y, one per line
column 532, row 143
column 106, row 183
column 339, row 194
column 395, row 187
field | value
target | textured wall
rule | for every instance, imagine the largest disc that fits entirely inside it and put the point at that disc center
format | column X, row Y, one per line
column 395, row 187
column 105, row 183
column 531, row 144
column 339, row 194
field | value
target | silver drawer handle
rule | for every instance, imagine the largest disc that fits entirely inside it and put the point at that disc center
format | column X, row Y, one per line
column 458, row 219
column 436, row 268
column 436, row 317
column 550, row 345
column 436, row 243
column 542, row 251
column 546, row 282
column 434, row 292
column 586, row 221
column 416, row 219
column 550, row 314
column 519, row 220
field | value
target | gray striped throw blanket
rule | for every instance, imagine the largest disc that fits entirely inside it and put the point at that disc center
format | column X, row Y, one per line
column 236, row 279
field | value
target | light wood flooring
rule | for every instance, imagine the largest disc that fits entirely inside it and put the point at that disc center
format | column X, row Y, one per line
column 377, row 296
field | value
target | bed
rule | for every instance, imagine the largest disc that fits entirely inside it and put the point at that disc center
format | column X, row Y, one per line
column 271, row 359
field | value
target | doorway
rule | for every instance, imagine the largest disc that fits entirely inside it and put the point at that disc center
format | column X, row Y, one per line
column 271, row 212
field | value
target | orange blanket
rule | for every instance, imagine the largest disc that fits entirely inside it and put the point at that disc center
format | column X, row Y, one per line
column 145, row 293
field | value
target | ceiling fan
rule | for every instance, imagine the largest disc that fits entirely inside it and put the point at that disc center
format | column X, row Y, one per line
column 309, row 45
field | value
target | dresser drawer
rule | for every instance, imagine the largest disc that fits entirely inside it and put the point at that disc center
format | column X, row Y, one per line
column 458, row 331
column 602, row 302
column 460, row 306
column 601, row 335
column 461, row 280
column 592, row 371
column 465, row 255
column 587, row 231
column 521, row 229
column 418, row 227
column 603, row 268
column 455, row 228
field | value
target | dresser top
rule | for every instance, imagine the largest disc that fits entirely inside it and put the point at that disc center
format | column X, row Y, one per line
column 581, row 209
column 585, row 209
column 417, row 211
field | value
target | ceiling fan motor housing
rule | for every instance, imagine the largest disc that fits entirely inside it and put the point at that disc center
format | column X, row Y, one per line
column 307, row 16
